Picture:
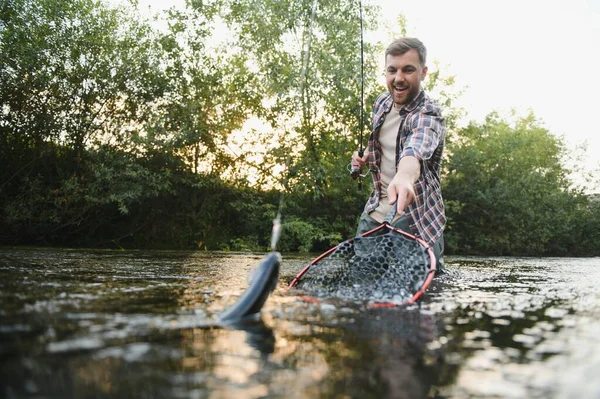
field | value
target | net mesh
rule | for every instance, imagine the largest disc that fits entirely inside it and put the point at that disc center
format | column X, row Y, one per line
column 387, row 268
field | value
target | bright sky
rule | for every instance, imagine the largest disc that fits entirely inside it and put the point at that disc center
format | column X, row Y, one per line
column 541, row 55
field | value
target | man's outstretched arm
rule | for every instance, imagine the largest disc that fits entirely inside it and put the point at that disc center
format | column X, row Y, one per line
column 402, row 187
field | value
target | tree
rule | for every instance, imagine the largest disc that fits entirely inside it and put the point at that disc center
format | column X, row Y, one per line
column 506, row 189
column 73, row 76
column 73, row 71
column 211, row 91
column 308, row 60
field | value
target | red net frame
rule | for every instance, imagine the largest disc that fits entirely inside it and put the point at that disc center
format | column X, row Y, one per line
column 416, row 296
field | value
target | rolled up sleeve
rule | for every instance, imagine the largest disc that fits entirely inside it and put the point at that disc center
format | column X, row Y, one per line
column 425, row 132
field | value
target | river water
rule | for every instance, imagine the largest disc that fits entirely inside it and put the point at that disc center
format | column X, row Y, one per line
column 124, row 324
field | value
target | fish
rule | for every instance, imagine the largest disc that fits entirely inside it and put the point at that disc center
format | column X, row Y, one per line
column 262, row 282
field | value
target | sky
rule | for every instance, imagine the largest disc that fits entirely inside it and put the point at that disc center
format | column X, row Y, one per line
column 539, row 55
column 542, row 55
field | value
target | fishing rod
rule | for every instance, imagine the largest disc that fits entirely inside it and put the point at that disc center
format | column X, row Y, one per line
column 356, row 169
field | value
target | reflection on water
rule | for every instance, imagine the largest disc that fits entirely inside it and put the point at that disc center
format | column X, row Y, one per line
column 141, row 324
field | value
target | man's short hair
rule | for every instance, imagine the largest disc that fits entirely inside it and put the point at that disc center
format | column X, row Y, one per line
column 405, row 44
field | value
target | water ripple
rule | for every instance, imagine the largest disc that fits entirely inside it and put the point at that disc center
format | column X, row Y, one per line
column 72, row 324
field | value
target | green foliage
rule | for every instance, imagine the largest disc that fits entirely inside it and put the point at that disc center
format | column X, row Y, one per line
column 116, row 134
column 308, row 61
column 73, row 71
column 73, row 75
column 302, row 236
column 118, row 178
column 507, row 191
column 210, row 92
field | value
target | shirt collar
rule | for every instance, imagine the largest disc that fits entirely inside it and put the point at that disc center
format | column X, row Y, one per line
column 389, row 103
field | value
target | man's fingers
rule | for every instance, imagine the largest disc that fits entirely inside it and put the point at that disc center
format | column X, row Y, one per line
column 400, row 197
column 400, row 206
column 392, row 196
column 359, row 160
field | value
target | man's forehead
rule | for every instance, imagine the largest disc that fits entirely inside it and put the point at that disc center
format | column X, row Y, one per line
column 411, row 57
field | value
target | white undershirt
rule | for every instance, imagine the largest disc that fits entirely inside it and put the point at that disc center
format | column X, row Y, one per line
column 387, row 139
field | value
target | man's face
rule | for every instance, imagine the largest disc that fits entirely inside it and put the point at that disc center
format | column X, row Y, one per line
column 403, row 74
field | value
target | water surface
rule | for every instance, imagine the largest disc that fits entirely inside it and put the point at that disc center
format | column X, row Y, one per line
column 96, row 324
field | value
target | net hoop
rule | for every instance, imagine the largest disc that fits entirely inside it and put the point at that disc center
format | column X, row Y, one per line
column 416, row 296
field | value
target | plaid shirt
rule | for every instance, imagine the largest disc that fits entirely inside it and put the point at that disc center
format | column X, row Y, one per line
column 421, row 135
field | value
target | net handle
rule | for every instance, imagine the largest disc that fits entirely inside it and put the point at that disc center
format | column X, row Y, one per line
column 391, row 214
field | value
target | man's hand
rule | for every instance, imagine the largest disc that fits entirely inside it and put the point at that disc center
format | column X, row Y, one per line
column 402, row 187
column 358, row 160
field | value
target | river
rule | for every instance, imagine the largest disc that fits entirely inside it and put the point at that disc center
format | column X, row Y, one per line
column 125, row 324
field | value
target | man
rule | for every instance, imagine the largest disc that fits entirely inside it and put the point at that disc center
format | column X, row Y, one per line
column 404, row 151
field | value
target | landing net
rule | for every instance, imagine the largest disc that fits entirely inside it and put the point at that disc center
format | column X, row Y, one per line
column 386, row 269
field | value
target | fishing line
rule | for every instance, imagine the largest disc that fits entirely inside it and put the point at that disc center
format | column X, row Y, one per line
column 264, row 277
column 355, row 170
column 383, row 267
column 306, row 43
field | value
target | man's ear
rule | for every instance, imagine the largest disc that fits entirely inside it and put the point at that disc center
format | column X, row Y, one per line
column 423, row 73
